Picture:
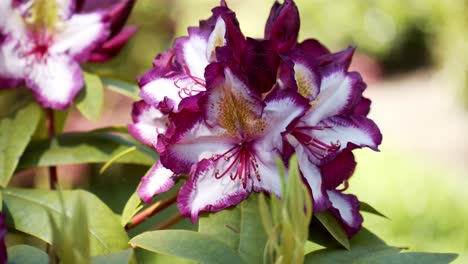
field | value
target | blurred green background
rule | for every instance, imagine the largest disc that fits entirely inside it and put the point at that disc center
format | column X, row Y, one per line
column 413, row 55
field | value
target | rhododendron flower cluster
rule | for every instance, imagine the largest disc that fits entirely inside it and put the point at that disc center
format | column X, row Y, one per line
column 43, row 42
column 221, row 107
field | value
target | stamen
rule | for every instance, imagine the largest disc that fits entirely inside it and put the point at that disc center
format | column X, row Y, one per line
column 242, row 167
column 316, row 147
column 195, row 79
column 191, row 89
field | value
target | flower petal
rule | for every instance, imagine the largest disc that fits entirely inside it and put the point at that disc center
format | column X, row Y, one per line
column 216, row 39
column 55, row 81
column 282, row 26
column 12, row 66
column 283, row 106
column 112, row 47
column 307, row 80
column 169, row 89
column 313, row 48
column 82, row 34
column 192, row 142
column 339, row 93
column 119, row 14
column 312, row 175
column 191, row 52
column 346, row 208
column 66, row 8
column 338, row 170
column 11, row 21
column 234, row 37
column 204, row 193
column 363, row 107
column 269, row 180
column 260, row 62
column 149, row 122
column 3, row 234
column 157, row 181
column 358, row 130
column 229, row 103
column 340, row 59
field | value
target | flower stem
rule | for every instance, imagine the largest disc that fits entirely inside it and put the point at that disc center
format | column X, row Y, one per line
column 53, row 178
column 169, row 222
column 150, row 211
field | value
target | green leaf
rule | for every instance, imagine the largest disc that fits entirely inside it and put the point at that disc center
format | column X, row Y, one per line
column 60, row 118
column 112, row 129
column 334, row 227
column 240, row 228
column 84, row 147
column 187, row 244
column 90, row 100
column 125, row 88
column 132, row 206
column 119, row 257
column 365, row 246
column 27, row 210
column 319, row 235
column 70, row 239
column 365, row 207
column 24, row 254
column 16, row 130
column 415, row 258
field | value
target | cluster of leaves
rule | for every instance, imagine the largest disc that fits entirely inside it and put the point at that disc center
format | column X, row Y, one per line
column 78, row 227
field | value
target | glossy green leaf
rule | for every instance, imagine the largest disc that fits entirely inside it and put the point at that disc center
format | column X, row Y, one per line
column 132, row 206
column 84, row 147
column 329, row 221
column 364, row 246
column 112, row 129
column 240, row 228
column 16, row 130
column 319, row 235
column 128, row 89
column 365, row 207
column 28, row 210
column 119, row 257
column 90, row 100
column 414, row 258
column 188, row 244
column 24, row 254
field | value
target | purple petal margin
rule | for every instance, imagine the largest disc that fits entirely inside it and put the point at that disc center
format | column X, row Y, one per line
column 190, row 189
column 158, row 180
column 346, row 208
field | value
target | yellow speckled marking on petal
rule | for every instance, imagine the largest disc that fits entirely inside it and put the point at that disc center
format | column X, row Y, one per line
column 233, row 108
column 236, row 115
column 304, row 80
column 44, row 14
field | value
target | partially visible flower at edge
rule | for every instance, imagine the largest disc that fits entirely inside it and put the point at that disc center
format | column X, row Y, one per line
column 42, row 44
column 220, row 107
column 3, row 233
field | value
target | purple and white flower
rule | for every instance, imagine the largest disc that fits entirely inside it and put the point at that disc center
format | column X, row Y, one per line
column 42, row 44
column 220, row 108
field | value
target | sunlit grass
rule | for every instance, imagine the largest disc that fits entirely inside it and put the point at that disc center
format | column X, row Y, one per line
column 426, row 206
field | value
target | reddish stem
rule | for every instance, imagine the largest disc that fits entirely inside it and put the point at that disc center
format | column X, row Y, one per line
column 53, row 178
column 150, row 211
column 169, row 222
